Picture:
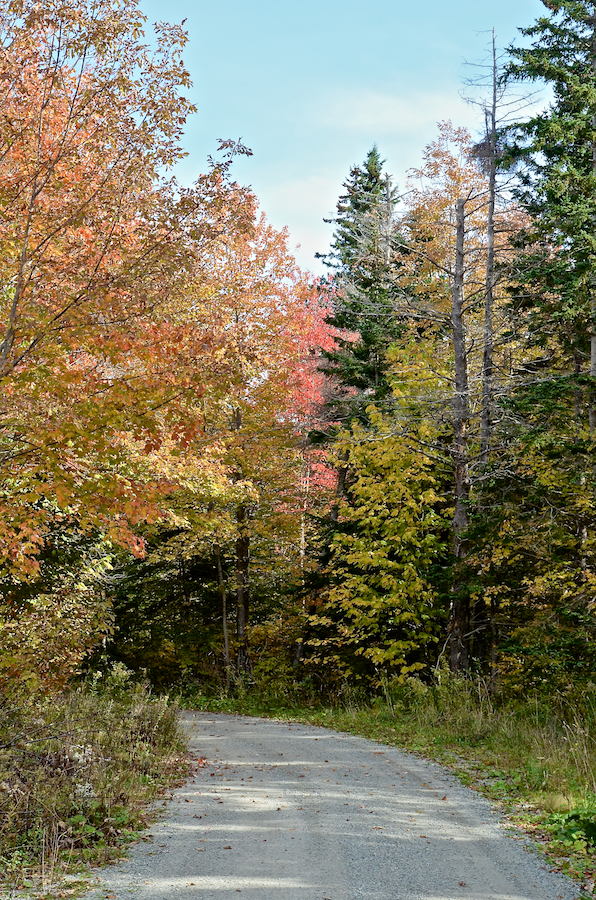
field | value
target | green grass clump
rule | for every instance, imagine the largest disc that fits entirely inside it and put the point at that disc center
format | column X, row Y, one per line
column 76, row 774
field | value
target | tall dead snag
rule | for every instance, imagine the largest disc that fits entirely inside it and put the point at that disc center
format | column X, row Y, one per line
column 460, row 607
column 487, row 360
column 447, row 274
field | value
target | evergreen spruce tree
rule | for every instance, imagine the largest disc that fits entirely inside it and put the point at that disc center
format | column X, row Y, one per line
column 556, row 151
column 360, row 262
column 375, row 612
column 551, row 574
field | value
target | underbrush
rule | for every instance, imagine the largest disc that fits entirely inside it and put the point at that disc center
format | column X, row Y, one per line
column 534, row 756
column 76, row 775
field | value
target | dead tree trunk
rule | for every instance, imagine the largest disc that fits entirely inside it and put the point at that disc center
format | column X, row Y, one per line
column 487, row 361
column 460, row 605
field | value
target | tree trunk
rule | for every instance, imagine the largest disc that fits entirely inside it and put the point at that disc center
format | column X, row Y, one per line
column 494, row 643
column 487, row 361
column 224, row 611
column 592, row 394
column 342, row 472
column 460, row 604
column 242, row 588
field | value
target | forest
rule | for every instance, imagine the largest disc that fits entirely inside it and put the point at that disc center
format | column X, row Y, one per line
column 225, row 477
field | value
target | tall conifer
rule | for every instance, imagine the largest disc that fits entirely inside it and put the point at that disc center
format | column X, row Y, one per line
column 546, row 483
column 556, row 151
column 360, row 263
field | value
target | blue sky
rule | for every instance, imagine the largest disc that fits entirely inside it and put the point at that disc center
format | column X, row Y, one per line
column 310, row 85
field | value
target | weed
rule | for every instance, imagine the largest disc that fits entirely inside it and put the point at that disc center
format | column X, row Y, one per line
column 77, row 773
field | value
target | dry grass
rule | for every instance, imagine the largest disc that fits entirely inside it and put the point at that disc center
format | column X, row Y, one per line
column 76, row 775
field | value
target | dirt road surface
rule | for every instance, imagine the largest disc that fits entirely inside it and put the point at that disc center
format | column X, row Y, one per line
column 295, row 812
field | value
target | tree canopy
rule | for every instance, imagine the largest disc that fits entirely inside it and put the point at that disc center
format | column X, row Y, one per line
column 214, row 466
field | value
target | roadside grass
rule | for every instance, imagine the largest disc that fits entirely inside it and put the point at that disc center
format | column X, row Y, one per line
column 78, row 773
column 535, row 758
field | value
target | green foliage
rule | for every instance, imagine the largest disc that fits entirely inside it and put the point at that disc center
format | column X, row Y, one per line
column 364, row 190
column 554, row 155
column 382, row 608
column 166, row 609
column 532, row 539
column 49, row 623
column 575, row 829
column 530, row 569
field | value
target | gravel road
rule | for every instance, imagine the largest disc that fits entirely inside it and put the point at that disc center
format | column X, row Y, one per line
column 295, row 812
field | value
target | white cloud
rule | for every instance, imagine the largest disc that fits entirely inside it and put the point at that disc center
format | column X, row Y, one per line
column 302, row 203
column 387, row 114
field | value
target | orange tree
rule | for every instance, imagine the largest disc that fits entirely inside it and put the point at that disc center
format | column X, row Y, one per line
column 234, row 538
column 100, row 356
